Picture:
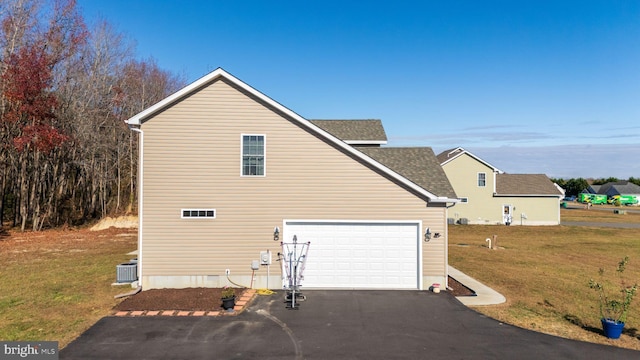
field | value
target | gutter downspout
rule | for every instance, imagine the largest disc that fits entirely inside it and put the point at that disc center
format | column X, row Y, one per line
column 495, row 178
column 140, row 201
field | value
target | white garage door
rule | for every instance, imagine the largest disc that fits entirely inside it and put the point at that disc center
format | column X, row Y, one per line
column 359, row 255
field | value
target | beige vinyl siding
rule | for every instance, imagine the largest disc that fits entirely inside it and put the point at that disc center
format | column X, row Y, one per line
column 538, row 210
column 434, row 252
column 485, row 208
column 463, row 175
column 192, row 159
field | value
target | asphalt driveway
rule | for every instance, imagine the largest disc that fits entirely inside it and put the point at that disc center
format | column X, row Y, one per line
column 331, row 325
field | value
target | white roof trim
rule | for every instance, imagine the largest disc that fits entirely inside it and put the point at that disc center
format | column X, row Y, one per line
column 442, row 199
column 529, row 195
column 463, row 151
column 366, row 142
column 220, row 73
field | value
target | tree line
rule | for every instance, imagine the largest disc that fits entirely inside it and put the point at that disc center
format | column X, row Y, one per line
column 575, row 186
column 66, row 155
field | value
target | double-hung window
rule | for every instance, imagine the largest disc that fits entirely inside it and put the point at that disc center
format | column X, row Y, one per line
column 253, row 155
column 482, row 179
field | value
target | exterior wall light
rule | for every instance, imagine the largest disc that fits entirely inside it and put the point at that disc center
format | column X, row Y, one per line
column 427, row 235
column 276, row 234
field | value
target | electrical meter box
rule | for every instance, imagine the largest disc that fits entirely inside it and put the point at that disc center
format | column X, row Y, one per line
column 265, row 257
column 255, row 265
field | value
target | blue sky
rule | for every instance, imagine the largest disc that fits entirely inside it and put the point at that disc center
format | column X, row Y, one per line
column 541, row 86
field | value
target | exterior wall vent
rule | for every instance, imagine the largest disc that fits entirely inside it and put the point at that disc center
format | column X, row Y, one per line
column 127, row 272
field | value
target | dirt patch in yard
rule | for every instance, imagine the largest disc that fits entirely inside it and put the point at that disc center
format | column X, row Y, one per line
column 458, row 289
column 208, row 299
column 123, row 222
column 191, row 299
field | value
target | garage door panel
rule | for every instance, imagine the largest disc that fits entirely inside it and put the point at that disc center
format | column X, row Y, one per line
column 359, row 255
column 360, row 266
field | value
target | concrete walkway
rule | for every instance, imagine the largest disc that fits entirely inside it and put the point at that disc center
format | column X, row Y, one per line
column 484, row 294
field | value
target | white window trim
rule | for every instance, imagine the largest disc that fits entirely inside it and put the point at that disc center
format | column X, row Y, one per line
column 198, row 217
column 478, row 180
column 242, row 155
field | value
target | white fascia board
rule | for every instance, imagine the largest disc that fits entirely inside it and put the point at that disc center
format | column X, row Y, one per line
column 366, row 158
column 495, row 169
column 365, row 142
column 442, row 199
column 219, row 72
column 463, row 151
column 529, row 195
column 139, row 117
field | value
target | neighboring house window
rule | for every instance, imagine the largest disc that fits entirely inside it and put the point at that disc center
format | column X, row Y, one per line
column 464, row 200
column 198, row 213
column 482, row 179
column 253, row 155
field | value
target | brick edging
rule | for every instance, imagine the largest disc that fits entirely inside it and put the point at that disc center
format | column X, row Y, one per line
column 241, row 304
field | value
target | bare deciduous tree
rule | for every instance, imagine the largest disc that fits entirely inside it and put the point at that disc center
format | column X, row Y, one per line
column 66, row 155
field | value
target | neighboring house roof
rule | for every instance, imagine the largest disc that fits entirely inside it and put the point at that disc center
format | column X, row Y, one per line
column 450, row 154
column 560, row 189
column 592, row 189
column 525, row 185
column 355, row 132
column 418, row 164
column 220, row 73
column 618, row 188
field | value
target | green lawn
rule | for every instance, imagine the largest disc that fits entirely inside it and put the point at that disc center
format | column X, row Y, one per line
column 544, row 273
column 56, row 284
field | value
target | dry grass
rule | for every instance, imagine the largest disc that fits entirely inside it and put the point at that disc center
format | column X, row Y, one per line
column 603, row 213
column 56, row 284
column 544, row 271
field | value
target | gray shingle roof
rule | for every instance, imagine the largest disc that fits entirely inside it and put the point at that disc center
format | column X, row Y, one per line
column 417, row 164
column 354, row 130
column 594, row 188
column 525, row 184
column 618, row 188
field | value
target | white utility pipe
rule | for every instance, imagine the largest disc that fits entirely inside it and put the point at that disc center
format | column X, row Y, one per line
column 140, row 202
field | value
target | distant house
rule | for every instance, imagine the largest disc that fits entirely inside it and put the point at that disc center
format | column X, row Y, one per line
column 610, row 189
column 592, row 189
column 225, row 170
column 490, row 196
